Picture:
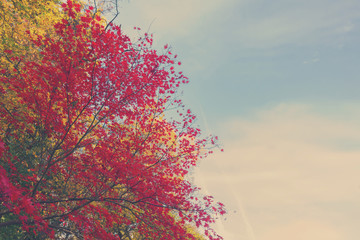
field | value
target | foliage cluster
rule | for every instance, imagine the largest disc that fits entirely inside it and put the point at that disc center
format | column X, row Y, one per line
column 86, row 151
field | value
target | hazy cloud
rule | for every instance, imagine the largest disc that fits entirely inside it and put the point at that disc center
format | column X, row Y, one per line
column 270, row 24
column 256, row 24
column 294, row 169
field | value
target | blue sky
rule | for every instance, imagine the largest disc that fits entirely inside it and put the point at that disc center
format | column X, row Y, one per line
column 278, row 82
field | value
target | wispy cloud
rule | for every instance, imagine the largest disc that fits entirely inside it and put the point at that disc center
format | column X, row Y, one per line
column 169, row 17
column 295, row 22
column 295, row 167
column 304, row 230
column 255, row 24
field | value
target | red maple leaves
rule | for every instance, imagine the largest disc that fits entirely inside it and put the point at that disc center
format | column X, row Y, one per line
column 89, row 150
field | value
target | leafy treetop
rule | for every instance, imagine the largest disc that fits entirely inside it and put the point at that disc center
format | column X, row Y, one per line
column 85, row 149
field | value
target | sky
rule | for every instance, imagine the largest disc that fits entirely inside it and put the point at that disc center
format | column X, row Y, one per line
column 278, row 82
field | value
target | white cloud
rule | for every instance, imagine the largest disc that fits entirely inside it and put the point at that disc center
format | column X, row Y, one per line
column 294, row 166
column 176, row 18
column 244, row 24
column 304, row 230
column 295, row 22
column 313, row 60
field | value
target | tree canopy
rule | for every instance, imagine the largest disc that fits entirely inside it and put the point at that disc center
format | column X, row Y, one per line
column 86, row 146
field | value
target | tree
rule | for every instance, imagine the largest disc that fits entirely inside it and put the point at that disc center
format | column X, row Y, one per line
column 18, row 17
column 86, row 149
